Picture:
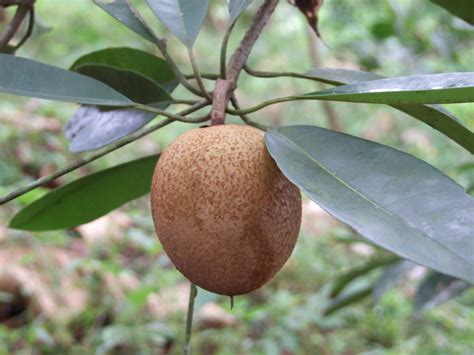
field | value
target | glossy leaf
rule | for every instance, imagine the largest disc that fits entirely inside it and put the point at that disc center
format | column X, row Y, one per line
column 91, row 128
column 416, row 89
column 390, row 277
column 183, row 18
column 87, row 198
column 135, row 86
column 435, row 289
column 461, row 8
column 122, row 11
column 139, row 75
column 338, row 77
column 133, row 60
column 26, row 77
column 391, row 198
column 236, row 7
column 433, row 115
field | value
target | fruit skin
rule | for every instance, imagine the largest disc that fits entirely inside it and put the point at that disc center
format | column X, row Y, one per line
column 224, row 213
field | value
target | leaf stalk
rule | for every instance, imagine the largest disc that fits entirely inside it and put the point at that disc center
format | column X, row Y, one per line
column 94, row 156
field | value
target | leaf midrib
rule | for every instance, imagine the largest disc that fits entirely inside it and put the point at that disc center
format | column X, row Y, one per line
column 375, row 204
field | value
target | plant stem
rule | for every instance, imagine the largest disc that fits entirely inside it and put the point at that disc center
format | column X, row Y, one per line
column 161, row 45
column 81, row 162
column 189, row 319
column 244, row 117
column 314, row 53
column 20, row 14
column 225, row 87
column 197, row 75
column 183, row 101
column 268, row 75
column 29, row 30
column 6, row 3
column 209, row 76
column 175, row 117
column 272, row 74
column 268, row 103
column 223, row 59
column 94, row 156
column 240, row 56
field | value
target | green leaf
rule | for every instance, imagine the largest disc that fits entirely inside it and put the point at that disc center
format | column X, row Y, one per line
column 122, row 11
column 183, row 18
column 133, row 60
column 433, row 115
column 391, row 198
column 383, row 29
column 236, row 7
column 26, row 77
column 135, row 86
column 460, row 8
column 339, row 77
column 343, row 280
column 139, row 75
column 87, row 198
column 417, row 89
column 347, row 299
column 435, row 289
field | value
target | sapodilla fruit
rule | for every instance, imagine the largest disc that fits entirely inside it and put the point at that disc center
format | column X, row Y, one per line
column 226, row 216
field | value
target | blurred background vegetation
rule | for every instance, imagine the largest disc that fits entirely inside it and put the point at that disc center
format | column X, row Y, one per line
column 107, row 287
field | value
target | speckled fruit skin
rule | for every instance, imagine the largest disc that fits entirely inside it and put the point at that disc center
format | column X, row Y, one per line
column 225, row 214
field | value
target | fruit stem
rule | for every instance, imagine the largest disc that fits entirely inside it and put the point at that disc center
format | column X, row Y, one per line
column 189, row 319
column 225, row 87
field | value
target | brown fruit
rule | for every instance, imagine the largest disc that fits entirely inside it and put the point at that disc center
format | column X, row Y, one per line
column 225, row 214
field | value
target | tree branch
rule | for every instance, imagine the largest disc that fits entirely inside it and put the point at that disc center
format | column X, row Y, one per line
column 161, row 45
column 277, row 74
column 6, row 3
column 224, row 88
column 29, row 30
column 270, row 102
column 221, row 97
column 23, row 8
column 176, row 116
column 197, row 75
column 223, row 56
column 94, row 156
column 244, row 117
column 239, row 58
